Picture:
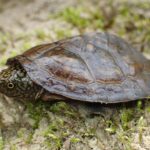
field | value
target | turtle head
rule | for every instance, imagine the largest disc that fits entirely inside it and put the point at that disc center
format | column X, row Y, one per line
column 15, row 83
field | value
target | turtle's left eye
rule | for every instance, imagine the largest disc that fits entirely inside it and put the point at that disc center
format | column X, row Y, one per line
column 10, row 85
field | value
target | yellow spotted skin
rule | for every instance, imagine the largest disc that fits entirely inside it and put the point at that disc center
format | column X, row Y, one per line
column 14, row 82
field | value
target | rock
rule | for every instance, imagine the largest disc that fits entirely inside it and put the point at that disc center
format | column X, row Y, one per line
column 10, row 111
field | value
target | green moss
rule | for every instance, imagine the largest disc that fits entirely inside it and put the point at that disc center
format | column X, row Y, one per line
column 1, row 143
column 124, row 11
column 61, row 125
column 20, row 133
column 54, row 126
column 26, row 46
column 63, row 108
column 142, row 5
column 5, row 38
column 132, row 20
column 54, row 134
column 5, row 41
column 141, row 125
column 3, row 48
column 111, row 127
column 73, row 16
column 40, row 34
column 82, row 17
column 54, row 140
column 29, row 138
column 13, row 147
column 139, row 104
column 59, row 106
column 36, row 112
column 124, row 139
column 22, row 36
column 126, row 116
column 148, row 109
column 74, row 140
column 13, row 53
column 87, row 132
column 61, row 33
column 3, row 60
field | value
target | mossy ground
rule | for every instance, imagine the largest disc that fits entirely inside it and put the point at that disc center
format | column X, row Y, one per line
column 62, row 125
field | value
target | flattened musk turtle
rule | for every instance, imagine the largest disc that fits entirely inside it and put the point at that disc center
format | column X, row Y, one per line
column 93, row 67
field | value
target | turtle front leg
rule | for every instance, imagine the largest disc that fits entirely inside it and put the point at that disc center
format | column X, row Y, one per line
column 46, row 96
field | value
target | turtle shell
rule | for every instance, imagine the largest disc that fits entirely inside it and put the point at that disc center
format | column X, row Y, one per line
column 93, row 67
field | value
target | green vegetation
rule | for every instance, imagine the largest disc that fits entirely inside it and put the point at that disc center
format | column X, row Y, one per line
column 58, row 129
column 63, row 108
column 1, row 143
column 126, row 116
column 141, row 125
column 13, row 147
column 110, row 127
column 82, row 18
column 50, row 134
column 74, row 16
column 41, row 34
column 61, row 33
column 36, row 112
column 75, row 140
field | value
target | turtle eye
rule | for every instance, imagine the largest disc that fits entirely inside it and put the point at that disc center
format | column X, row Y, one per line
column 10, row 85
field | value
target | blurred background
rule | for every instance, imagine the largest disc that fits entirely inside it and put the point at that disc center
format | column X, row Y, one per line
column 26, row 23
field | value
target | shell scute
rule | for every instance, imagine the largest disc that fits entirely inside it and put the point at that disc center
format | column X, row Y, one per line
column 94, row 67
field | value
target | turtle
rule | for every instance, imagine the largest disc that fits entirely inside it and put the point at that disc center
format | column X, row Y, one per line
column 96, row 67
